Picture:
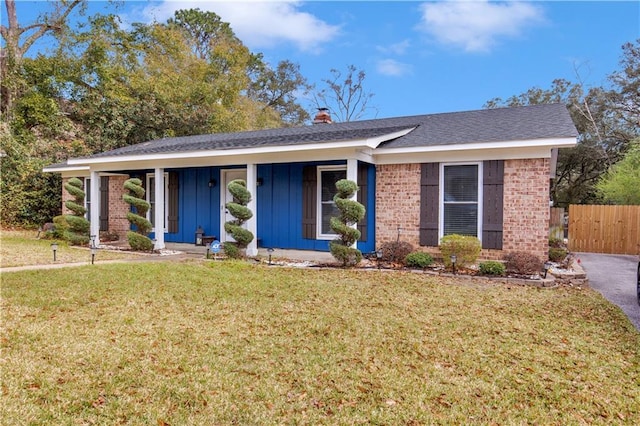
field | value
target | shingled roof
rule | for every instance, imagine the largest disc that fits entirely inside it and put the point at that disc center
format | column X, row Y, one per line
column 488, row 125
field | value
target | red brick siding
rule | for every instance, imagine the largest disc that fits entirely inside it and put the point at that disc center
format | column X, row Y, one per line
column 118, row 223
column 526, row 206
column 398, row 203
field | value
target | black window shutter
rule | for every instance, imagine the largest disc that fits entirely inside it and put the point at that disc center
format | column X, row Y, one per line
column 172, row 226
column 363, row 170
column 104, row 203
column 309, row 195
column 429, row 203
column 492, row 205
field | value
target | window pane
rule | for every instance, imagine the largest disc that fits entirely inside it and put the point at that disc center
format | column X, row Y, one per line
column 461, row 183
column 329, row 179
column 461, row 219
column 329, row 210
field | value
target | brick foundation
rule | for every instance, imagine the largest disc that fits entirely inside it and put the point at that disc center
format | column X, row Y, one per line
column 526, row 207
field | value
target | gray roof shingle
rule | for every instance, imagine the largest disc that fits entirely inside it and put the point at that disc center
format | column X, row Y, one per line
column 488, row 125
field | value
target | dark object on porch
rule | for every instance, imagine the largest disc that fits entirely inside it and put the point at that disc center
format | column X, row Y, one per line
column 199, row 235
column 208, row 239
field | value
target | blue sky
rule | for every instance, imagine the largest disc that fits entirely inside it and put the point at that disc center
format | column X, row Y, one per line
column 422, row 57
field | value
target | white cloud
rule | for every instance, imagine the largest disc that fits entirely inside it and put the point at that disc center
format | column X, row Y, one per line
column 476, row 26
column 260, row 24
column 396, row 49
column 393, row 68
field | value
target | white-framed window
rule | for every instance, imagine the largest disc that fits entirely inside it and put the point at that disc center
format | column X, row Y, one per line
column 150, row 195
column 327, row 178
column 87, row 198
column 461, row 199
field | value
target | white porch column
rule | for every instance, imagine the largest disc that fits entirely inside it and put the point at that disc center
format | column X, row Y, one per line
column 94, row 213
column 252, row 223
column 159, row 208
column 352, row 175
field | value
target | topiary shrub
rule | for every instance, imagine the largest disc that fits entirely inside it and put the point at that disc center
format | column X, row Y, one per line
column 418, row 259
column 138, row 239
column 351, row 212
column 492, row 267
column 238, row 209
column 523, row 263
column 73, row 228
column 396, row 251
column 231, row 250
column 465, row 247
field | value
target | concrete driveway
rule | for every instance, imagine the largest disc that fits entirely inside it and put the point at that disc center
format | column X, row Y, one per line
column 614, row 276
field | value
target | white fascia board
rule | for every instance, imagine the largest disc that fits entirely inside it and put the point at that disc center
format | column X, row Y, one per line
column 246, row 152
column 62, row 169
column 463, row 155
column 547, row 143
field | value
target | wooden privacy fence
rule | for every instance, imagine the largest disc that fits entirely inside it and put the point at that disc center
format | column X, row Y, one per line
column 604, row 229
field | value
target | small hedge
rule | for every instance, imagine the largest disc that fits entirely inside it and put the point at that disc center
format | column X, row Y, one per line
column 395, row 251
column 557, row 254
column 492, row 267
column 466, row 248
column 418, row 259
column 522, row 262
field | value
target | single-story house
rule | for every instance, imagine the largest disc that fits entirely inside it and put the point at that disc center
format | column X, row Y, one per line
column 484, row 173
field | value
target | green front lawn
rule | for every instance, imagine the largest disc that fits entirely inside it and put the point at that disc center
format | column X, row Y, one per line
column 234, row 343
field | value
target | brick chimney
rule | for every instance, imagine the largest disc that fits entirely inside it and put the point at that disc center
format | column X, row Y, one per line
column 322, row 117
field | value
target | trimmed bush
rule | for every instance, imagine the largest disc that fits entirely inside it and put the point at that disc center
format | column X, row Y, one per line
column 351, row 212
column 556, row 242
column 138, row 239
column 231, row 250
column 396, row 251
column 239, row 210
column 492, row 267
column 557, row 254
column 465, row 247
column 418, row 259
column 73, row 228
column 523, row 263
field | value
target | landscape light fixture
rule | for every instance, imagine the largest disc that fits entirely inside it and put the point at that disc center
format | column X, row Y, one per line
column 199, row 235
column 454, row 259
column 54, row 248
column 94, row 250
column 378, row 257
column 547, row 266
column 208, row 249
column 270, row 250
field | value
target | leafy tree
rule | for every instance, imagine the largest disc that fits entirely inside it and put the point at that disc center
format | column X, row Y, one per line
column 621, row 184
column 345, row 94
column 627, row 83
column 138, row 239
column 351, row 212
column 18, row 39
column 277, row 89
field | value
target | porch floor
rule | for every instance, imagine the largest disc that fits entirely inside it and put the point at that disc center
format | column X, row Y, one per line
column 300, row 255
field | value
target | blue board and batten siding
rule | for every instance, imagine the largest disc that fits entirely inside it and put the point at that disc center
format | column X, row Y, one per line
column 279, row 212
